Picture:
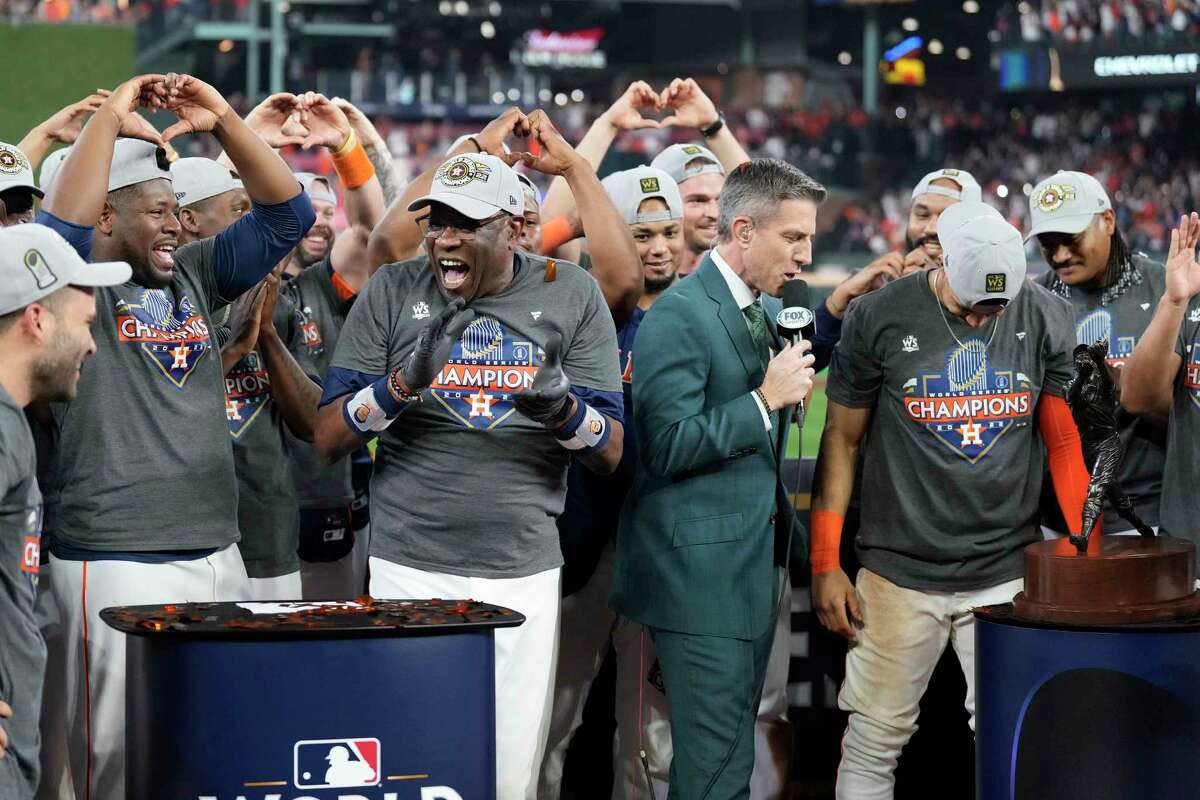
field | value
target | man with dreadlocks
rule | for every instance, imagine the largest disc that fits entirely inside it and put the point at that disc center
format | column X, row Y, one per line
column 1113, row 294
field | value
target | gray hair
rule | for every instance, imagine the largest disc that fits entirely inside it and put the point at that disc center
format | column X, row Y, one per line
column 756, row 188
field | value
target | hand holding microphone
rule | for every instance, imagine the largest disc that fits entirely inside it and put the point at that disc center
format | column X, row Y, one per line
column 789, row 375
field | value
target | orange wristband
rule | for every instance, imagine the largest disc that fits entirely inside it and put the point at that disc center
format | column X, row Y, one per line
column 824, row 550
column 354, row 169
column 555, row 234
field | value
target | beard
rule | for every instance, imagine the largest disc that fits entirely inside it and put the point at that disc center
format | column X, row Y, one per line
column 658, row 285
column 54, row 373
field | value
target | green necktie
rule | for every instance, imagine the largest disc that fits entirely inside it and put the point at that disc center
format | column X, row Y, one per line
column 758, row 330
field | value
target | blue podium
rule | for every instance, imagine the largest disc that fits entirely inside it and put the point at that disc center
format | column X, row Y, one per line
column 1066, row 712
column 368, row 700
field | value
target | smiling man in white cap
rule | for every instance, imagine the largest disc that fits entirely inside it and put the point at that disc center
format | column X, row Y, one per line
column 493, row 443
column 949, row 370
column 1114, row 294
column 700, row 176
column 47, row 305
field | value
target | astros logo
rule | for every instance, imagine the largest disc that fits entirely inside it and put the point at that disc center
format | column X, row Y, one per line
column 1053, row 196
column 1098, row 325
column 969, row 406
column 174, row 338
column 486, row 368
column 247, row 393
column 462, row 171
column 12, row 162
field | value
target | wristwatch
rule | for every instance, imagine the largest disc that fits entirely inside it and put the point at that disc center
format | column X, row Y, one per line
column 715, row 128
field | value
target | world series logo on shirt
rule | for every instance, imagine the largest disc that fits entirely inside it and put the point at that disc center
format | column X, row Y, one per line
column 174, row 337
column 969, row 406
column 487, row 366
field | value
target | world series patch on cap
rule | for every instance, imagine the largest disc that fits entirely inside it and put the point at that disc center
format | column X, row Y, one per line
column 476, row 185
column 36, row 261
column 1066, row 202
column 984, row 257
column 628, row 189
column 684, row 161
column 15, row 170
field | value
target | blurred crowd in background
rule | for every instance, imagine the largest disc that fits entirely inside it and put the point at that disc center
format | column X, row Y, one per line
column 1098, row 21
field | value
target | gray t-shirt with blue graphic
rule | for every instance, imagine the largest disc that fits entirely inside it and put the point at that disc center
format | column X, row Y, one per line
column 463, row 483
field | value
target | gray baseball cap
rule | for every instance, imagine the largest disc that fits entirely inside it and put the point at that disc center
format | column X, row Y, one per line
column 15, row 170
column 36, row 261
column 318, row 187
column 198, row 179
column 629, row 188
column 1066, row 202
column 683, row 161
column 968, row 187
column 135, row 161
column 476, row 185
column 983, row 255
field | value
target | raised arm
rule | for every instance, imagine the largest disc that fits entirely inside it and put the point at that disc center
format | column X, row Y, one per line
column 1148, row 379
column 397, row 237
column 296, row 394
column 832, row 593
column 81, row 187
column 623, row 115
column 376, row 149
column 693, row 109
column 615, row 263
column 330, row 128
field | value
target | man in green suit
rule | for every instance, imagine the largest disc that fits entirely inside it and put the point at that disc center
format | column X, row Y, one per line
column 706, row 529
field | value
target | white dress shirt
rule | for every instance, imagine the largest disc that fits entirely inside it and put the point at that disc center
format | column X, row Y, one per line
column 743, row 297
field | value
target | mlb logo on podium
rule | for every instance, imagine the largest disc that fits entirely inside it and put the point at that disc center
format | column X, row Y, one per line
column 336, row 763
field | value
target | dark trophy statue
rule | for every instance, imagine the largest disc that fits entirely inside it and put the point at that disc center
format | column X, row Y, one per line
column 1093, row 401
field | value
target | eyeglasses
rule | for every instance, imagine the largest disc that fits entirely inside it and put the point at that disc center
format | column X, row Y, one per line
column 465, row 229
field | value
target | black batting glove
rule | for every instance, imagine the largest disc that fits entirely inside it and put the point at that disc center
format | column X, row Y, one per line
column 434, row 344
column 548, row 401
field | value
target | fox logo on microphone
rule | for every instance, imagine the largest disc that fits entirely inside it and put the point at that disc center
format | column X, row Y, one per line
column 795, row 318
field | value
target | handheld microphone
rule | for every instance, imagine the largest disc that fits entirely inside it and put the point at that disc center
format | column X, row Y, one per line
column 796, row 320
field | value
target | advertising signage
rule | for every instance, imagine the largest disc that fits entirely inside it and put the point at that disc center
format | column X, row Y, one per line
column 1048, row 68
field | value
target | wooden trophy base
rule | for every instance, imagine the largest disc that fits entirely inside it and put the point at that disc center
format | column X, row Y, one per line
column 1132, row 579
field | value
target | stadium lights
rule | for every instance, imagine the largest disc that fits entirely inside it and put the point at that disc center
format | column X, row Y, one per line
column 577, row 95
column 514, row 94
column 909, row 45
column 498, row 98
column 964, row 53
column 226, row 46
column 901, row 112
column 560, row 99
column 844, row 58
column 494, row 8
column 1026, row 189
column 935, row 47
column 971, row 6
column 909, row 24
column 462, row 8
column 487, row 30
column 1002, row 191
column 545, row 96
column 445, row 8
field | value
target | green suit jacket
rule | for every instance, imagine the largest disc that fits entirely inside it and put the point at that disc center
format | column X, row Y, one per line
column 707, row 510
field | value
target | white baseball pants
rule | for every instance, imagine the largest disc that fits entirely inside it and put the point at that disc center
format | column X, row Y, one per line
column 888, row 668
column 95, row 653
column 525, row 658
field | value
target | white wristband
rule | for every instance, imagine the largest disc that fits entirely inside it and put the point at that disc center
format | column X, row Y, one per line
column 364, row 413
column 591, row 433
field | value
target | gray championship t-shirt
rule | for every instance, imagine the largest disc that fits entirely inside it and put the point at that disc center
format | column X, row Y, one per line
column 268, row 514
column 463, row 483
column 952, row 462
column 143, row 462
column 1179, row 511
column 322, row 312
column 22, row 651
column 1122, row 321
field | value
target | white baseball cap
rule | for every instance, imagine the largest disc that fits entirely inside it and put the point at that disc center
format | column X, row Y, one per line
column 1066, row 202
column 198, row 179
column 683, row 161
column 968, row 188
column 629, row 188
column 318, row 187
column 15, row 170
column 36, row 261
column 476, row 185
column 135, row 161
column 531, row 190
column 983, row 255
